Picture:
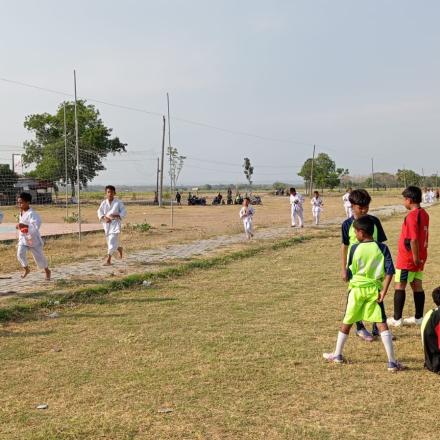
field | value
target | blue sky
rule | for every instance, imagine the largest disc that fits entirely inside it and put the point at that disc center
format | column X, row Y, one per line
column 358, row 79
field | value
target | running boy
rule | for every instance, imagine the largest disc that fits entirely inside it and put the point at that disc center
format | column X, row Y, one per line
column 347, row 203
column 317, row 206
column 296, row 204
column 29, row 238
column 370, row 272
column 411, row 257
column 246, row 214
column 360, row 204
column 110, row 214
column 431, row 335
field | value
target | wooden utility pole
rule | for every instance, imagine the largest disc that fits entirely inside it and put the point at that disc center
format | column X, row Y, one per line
column 65, row 161
column 311, row 171
column 157, row 180
column 372, row 173
column 162, row 164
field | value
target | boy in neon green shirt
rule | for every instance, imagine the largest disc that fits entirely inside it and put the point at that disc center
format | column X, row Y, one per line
column 370, row 272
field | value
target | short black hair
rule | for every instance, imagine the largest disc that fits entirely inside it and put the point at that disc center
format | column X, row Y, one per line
column 292, row 190
column 436, row 296
column 26, row 197
column 364, row 224
column 111, row 187
column 360, row 197
column 414, row 193
column 247, row 198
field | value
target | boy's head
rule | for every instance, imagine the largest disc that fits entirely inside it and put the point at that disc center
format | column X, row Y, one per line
column 436, row 296
column 412, row 196
column 246, row 201
column 364, row 228
column 24, row 200
column 316, row 193
column 110, row 192
column 292, row 191
column 360, row 202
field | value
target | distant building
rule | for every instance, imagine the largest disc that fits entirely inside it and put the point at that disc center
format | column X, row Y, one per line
column 41, row 190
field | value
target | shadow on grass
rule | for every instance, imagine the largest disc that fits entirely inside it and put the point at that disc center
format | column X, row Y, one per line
column 8, row 334
column 140, row 300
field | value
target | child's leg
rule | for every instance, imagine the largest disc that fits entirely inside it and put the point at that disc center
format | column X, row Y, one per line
column 342, row 338
column 293, row 215
column 40, row 259
column 22, row 259
column 387, row 341
column 301, row 218
column 112, row 246
column 419, row 297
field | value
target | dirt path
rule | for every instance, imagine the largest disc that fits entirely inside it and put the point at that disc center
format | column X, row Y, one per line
column 12, row 284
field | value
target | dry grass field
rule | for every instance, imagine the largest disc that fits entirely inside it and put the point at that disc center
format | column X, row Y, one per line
column 190, row 223
column 229, row 352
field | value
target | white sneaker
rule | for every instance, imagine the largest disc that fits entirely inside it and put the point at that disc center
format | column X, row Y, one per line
column 413, row 321
column 394, row 322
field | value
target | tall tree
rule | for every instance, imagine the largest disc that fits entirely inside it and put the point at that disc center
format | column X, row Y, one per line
column 408, row 177
column 176, row 165
column 325, row 173
column 47, row 153
column 7, row 181
column 248, row 170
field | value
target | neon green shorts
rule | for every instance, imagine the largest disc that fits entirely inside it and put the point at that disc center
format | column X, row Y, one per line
column 406, row 276
column 362, row 305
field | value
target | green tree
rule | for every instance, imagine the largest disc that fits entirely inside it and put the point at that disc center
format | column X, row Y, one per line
column 47, row 153
column 408, row 177
column 176, row 165
column 325, row 173
column 7, row 181
column 248, row 170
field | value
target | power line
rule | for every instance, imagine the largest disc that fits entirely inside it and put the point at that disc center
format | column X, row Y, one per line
column 176, row 118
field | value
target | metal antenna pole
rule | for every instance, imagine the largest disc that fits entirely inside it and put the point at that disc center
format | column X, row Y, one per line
column 65, row 158
column 77, row 159
column 171, row 171
column 162, row 164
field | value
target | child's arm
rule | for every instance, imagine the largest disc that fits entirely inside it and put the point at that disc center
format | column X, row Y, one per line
column 415, row 251
column 386, row 285
column 344, row 253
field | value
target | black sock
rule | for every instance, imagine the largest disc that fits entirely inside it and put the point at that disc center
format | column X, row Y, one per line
column 419, row 302
column 375, row 330
column 399, row 302
column 359, row 326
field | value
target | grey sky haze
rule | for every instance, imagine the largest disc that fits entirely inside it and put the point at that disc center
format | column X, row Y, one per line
column 359, row 79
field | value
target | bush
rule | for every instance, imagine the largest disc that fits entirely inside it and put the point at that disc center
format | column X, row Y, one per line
column 138, row 227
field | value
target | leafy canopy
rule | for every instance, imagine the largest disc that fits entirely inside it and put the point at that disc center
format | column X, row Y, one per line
column 46, row 151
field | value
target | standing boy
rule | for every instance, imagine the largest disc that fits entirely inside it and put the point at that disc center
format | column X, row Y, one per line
column 110, row 214
column 317, row 206
column 370, row 272
column 29, row 238
column 347, row 203
column 360, row 204
column 246, row 214
column 296, row 204
column 411, row 257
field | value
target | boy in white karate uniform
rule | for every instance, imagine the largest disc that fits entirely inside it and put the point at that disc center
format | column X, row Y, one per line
column 347, row 203
column 246, row 214
column 317, row 205
column 297, row 212
column 29, row 238
column 110, row 214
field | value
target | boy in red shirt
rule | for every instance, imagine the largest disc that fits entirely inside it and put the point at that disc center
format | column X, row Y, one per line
column 411, row 258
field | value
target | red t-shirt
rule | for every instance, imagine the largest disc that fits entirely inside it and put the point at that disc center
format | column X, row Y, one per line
column 415, row 227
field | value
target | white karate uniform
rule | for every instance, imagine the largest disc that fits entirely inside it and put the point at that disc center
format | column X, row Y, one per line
column 112, row 229
column 317, row 206
column 297, row 213
column 347, row 204
column 246, row 214
column 31, row 241
column 431, row 196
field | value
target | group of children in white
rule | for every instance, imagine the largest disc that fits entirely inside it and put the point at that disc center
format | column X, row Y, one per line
column 367, row 264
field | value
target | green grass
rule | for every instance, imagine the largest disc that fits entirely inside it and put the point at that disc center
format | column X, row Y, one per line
column 233, row 347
